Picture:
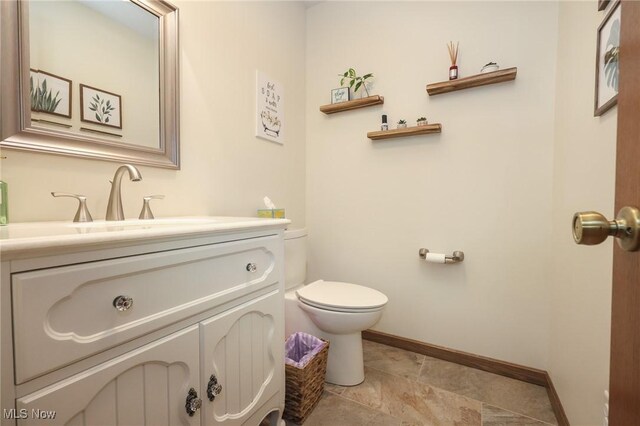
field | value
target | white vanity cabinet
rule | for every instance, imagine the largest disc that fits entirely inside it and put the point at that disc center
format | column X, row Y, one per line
column 174, row 331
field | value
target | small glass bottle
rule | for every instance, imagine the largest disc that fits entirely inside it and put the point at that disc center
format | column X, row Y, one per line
column 4, row 203
column 453, row 72
column 384, row 125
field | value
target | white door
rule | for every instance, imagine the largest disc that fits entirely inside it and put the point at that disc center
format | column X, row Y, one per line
column 243, row 348
column 147, row 386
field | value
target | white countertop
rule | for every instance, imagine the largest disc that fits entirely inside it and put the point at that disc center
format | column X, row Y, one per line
column 21, row 237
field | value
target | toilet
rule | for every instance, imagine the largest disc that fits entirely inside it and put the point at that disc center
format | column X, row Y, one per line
column 334, row 311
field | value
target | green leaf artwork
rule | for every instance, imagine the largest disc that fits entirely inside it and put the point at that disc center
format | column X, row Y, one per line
column 611, row 56
column 42, row 98
column 102, row 108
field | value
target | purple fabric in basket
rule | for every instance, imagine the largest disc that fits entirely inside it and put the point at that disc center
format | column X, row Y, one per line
column 300, row 348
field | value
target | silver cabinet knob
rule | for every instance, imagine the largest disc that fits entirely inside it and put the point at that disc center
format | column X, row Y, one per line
column 193, row 403
column 122, row 303
column 591, row 228
column 82, row 214
column 251, row 267
column 213, row 388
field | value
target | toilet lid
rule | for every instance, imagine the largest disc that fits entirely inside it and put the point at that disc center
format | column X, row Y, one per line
column 339, row 295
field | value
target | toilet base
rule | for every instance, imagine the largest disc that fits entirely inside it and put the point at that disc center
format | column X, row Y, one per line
column 345, row 365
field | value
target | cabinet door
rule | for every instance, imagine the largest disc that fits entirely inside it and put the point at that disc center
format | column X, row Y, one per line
column 244, row 348
column 147, row 386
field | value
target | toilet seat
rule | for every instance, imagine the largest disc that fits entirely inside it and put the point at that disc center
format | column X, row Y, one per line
column 341, row 297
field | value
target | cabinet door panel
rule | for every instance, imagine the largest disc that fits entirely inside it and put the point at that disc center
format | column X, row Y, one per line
column 244, row 348
column 77, row 420
column 147, row 386
column 155, row 385
column 130, row 397
column 64, row 314
column 102, row 409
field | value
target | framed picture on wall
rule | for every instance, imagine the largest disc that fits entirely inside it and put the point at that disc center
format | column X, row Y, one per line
column 269, row 109
column 100, row 107
column 602, row 4
column 341, row 94
column 607, row 57
column 50, row 93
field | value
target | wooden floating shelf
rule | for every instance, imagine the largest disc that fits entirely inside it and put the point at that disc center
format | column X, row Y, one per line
column 472, row 81
column 407, row 131
column 354, row 104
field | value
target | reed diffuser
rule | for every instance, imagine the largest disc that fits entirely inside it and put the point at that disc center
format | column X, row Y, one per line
column 453, row 54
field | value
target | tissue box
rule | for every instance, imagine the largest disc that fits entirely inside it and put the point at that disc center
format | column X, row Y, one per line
column 271, row 213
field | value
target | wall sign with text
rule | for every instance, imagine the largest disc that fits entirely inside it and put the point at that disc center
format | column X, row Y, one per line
column 269, row 108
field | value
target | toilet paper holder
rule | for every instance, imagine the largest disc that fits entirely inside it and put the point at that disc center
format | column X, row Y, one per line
column 456, row 257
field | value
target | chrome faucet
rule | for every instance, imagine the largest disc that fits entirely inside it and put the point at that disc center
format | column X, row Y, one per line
column 114, row 208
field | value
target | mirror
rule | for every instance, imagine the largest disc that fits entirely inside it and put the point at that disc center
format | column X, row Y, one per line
column 93, row 79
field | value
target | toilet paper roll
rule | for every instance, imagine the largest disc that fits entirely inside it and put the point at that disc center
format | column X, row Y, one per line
column 435, row 257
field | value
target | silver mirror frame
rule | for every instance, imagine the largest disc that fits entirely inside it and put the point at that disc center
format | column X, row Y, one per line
column 16, row 131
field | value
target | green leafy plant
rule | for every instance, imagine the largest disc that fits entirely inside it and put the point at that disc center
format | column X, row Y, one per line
column 42, row 98
column 611, row 55
column 102, row 107
column 611, row 67
column 402, row 122
column 354, row 80
column 422, row 119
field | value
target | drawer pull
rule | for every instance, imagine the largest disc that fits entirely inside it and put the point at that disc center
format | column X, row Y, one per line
column 251, row 267
column 193, row 403
column 122, row 303
column 213, row 388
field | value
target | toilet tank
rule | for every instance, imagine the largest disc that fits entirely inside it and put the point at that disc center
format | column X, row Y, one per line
column 295, row 257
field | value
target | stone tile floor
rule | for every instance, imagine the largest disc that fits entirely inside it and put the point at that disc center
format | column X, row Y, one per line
column 405, row 388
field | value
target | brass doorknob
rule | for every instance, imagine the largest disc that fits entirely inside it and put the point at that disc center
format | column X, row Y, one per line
column 591, row 228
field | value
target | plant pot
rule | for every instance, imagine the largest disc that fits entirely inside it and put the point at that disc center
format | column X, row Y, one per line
column 402, row 126
column 422, row 123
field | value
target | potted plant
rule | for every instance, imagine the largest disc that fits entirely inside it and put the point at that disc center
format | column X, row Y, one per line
column 351, row 76
column 422, row 121
column 402, row 124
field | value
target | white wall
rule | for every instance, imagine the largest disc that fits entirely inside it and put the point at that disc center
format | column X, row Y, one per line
column 225, row 169
column 584, row 179
column 483, row 186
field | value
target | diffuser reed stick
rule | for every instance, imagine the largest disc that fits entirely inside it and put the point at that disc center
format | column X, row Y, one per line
column 453, row 52
column 453, row 55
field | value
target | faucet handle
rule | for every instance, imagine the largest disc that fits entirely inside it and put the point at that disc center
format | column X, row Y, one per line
column 146, row 210
column 82, row 215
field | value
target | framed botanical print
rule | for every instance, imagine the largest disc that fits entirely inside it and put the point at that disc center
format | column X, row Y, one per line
column 607, row 61
column 100, row 107
column 50, row 93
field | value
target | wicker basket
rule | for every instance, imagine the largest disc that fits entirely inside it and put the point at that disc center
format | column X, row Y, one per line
column 304, row 387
